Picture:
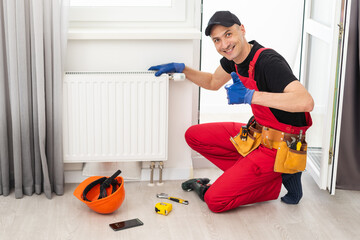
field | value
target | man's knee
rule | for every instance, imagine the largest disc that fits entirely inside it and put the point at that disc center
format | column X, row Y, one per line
column 215, row 204
column 190, row 136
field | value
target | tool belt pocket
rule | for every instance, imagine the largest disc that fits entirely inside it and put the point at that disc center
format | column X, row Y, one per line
column 246, row 142
column 290, row 160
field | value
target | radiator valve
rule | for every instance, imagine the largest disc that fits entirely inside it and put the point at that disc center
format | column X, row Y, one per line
column 152, row 167
column 177, row 77
column 161, row 167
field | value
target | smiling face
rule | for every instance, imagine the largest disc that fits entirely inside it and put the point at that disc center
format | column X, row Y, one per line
column 230, row 42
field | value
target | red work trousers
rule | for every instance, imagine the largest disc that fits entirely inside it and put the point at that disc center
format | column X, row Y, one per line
column 245, row 180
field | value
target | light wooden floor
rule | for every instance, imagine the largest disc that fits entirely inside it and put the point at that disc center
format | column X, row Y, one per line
column 318, row 216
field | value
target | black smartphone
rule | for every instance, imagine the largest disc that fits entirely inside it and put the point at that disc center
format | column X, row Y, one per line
column 126, row 224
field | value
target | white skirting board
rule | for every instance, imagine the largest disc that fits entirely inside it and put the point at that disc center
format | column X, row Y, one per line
column 168, row 174
column 129, row 170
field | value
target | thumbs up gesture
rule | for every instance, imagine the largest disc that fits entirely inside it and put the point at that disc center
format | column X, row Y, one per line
column 237, row 93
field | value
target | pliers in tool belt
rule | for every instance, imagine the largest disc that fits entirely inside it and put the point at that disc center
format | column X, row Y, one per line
column 245, row 129
column 292, row 144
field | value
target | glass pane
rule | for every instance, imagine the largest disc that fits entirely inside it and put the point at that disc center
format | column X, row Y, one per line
column 317, row 83
column 321, row 11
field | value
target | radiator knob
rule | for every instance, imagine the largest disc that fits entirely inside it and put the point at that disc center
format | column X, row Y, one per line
column 177, row 77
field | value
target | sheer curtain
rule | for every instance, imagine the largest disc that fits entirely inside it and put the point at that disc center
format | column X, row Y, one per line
column 32, row 47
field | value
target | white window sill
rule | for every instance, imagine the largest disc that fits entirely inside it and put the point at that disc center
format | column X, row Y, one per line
column 134, row 33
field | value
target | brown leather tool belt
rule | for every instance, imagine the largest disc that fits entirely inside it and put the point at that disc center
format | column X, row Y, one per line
column 290, row 156
column 271, row 138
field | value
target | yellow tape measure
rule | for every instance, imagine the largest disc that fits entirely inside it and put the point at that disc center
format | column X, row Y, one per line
column 163, row 208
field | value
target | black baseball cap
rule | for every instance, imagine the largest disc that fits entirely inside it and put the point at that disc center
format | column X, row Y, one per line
column 224, row 18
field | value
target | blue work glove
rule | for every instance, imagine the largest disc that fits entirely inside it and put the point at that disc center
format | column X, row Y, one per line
column 237, row 93
column 168, row 68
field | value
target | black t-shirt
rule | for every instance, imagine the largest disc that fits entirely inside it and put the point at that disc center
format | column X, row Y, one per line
column 272, row 74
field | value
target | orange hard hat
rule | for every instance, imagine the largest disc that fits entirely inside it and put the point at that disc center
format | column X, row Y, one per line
column 101, row 194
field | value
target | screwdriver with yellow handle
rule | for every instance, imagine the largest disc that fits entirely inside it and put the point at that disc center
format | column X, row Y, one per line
column 298, row 144
column 179, row 200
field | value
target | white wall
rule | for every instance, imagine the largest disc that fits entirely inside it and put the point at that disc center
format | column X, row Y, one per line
column 275, row 24
column 139, row 55
column 121, row 48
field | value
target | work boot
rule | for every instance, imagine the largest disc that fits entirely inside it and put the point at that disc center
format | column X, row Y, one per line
column 187, row 185
column 200, row 189
column 292, row 183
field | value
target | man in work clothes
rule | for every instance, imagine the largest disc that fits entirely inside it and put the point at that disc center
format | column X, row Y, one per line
column 280, row 105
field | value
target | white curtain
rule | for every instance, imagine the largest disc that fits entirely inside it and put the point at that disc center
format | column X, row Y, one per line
column 32, row 46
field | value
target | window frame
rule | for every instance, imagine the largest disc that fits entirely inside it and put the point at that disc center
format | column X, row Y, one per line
column 175, row 13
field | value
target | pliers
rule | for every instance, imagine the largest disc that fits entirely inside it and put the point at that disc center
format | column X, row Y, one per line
column 292, row 144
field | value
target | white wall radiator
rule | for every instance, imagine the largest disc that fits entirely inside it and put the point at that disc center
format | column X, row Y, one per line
column 115, row 116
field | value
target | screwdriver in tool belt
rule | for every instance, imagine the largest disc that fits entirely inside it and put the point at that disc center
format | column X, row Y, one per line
column 298, row 144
